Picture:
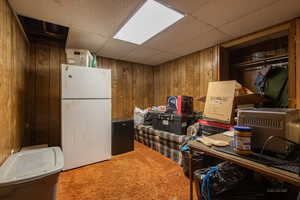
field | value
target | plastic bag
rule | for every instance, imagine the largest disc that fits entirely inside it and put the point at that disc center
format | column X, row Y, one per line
column 139, row 116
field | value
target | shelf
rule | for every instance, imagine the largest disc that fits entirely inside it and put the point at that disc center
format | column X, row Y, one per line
column 247, row 64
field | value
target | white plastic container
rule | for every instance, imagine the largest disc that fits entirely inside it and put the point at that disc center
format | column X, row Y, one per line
column 31, row 174
column 79, row 57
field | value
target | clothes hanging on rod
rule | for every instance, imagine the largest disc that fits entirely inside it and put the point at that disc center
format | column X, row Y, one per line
column 261, row 67
column 262, row 75
column 261, row 79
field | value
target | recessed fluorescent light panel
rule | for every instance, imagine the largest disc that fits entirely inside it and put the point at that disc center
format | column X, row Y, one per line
column 148, row 21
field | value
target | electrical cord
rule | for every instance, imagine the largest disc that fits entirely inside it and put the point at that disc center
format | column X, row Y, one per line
column 267, row 141
column 279, row 137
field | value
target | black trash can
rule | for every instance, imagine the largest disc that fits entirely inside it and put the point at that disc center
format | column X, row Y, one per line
column 198, row 161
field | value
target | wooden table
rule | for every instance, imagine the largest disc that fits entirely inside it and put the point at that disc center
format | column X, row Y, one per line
column 257, row 167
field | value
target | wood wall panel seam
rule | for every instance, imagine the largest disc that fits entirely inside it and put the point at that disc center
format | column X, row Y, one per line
column 297, row 41
column 54, row 97
column 292, row 64
column 49, row 96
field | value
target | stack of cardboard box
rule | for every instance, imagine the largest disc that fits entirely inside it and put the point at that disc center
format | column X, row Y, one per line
column 221, row 104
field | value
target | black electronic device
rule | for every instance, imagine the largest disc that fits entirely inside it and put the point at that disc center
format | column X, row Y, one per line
column 180, row 105
column 122, row 136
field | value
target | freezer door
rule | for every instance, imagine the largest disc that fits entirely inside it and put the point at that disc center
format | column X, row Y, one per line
column 86, row 131
column 85, row 82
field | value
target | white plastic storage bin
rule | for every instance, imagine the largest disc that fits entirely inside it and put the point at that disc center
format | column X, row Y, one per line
column 79, row 57
column 31, row 174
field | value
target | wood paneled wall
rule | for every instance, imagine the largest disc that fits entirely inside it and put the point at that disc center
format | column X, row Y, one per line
column 188, row 75
column 13, row 62
column 297, row 64
column 132, row 85
column 43, row 96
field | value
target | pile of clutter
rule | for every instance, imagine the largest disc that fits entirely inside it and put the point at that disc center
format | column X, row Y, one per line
column 175, row 118
column 163, row 128
column 224, row 100
column 151, row 131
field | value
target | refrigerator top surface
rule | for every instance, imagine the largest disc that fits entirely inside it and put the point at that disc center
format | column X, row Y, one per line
column 80, row 82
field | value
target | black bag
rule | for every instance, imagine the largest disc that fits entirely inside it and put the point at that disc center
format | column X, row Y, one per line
column 211, row 182
column 149, row 116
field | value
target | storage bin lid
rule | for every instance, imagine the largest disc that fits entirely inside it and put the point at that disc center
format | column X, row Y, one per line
column 31, row 165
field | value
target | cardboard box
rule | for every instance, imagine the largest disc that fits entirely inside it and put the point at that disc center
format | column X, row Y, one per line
column 79, row 57
column 223, row 97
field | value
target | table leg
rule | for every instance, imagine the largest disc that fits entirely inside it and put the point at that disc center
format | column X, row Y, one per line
column 191, row 173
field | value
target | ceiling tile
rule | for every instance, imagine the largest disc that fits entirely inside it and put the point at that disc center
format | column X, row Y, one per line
column 183, row 30
column 202, row 41
column 185, row 6
column 105, row 16
column 102, row 17
column 140, row 54
column 51, row 11
column 93, row 22
column 219, row 12
column 116, row 49
column 160, row 58
column 83, row 40
column 279, row 12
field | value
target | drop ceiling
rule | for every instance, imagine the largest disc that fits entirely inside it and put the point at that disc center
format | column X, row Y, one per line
column 92, row 24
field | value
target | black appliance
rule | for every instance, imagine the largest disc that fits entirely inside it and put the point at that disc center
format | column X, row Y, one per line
column 180, row 105
column 122, row 136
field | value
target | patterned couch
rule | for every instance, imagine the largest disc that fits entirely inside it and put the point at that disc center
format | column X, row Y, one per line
column 168, row 144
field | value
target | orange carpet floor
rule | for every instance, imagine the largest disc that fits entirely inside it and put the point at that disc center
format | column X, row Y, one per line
column 143, row 174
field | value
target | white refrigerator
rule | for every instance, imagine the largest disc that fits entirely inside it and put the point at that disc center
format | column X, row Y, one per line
column 85, row 115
